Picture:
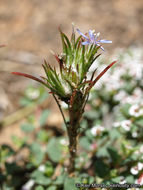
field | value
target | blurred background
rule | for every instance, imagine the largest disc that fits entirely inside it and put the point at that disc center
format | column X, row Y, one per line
column 29, row 29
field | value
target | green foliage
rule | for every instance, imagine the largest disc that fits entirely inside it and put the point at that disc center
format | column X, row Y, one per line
column 39, row 187
column 101, row 169
column 53, row 187
column 44, row 117
column 54, row 150
column 27, row 127
column 69, row 184
column 37, row 154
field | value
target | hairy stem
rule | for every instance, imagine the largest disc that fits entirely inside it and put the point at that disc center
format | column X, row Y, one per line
column 73, row 139
column 75, row 113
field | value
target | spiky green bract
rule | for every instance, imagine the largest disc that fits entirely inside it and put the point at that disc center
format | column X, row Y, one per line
column 74, row 64
column 77, row 57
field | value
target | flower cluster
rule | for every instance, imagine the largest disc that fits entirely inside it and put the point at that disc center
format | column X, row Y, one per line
column 93, row 39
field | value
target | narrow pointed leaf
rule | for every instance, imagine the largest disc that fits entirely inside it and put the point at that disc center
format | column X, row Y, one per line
column 29, row 76
column 100, row 75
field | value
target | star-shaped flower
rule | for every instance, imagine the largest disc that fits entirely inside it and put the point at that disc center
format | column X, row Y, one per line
column 93, row 39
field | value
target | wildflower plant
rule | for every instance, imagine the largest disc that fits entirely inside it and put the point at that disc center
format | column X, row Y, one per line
column 71, row 84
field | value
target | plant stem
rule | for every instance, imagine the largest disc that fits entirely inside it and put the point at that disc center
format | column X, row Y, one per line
column 73, row 139
column 75, row 113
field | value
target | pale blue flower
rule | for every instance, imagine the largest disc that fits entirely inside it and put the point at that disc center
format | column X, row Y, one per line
column 93, row 39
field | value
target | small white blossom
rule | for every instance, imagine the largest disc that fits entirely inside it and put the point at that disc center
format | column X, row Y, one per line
column 120, row 96
column 28, row 185
column 33, row 93
column 138, row 92
column 42, row 168
column 134, row 170
column 116, row 124
column 64, row 105
column 96, row 130
column 137, row 152
column 126, row 124
column 129, row 147
column 129, row 100
column 135, row 110
column 140, row 166
column 141, row 148
column 93, row 146
column 64, row 142
column 135, row 134
column 81, row 159
column 123, row 181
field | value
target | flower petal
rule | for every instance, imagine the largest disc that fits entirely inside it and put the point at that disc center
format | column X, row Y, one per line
column 82, row 34
column 91, row 35
column 104, row 41
column 86, row 43
column 100, row 46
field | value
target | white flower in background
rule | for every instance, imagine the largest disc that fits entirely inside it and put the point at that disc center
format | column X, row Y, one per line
column 116, row 124
column 122, row 180
column 135, row 134
column 96, row 130
column 129, row 100
column 93, row 146
column 64, row 105
column 32, row 93
column 129, row 147
column 137, row 152
column 64, row 142
column 126, row 124
column 134, row 170
column 28, row 185
column 140, row 166
column 138, row 92
column 135, row 110
column 81, row 159
column 41, row 168
column 120, row 96
column 141, row 148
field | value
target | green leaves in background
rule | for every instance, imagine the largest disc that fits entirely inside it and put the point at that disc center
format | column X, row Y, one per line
column 69, row 184
column 5, row 152
column 39, row 187
column 43, row 117
column 101, row 169
column 53, row 187
column 37, row 154
column 19, row 142
column 84, row 142
column 27, row 127
column 114, row 155
column 43, row 136
column 40, row 178
column 54, row 149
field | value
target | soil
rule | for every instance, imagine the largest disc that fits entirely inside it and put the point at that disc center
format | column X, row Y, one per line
column 29, row 29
